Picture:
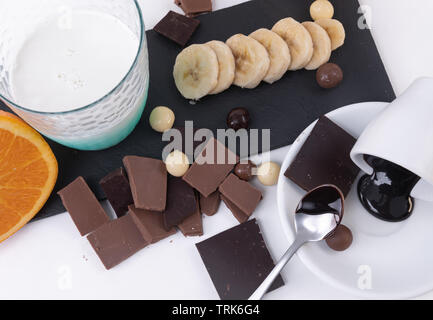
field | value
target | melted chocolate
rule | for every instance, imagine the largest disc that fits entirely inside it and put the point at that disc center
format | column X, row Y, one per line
column 386, row 193
column 323, row 200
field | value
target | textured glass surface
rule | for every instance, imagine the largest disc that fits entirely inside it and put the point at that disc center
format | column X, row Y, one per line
column 101, row 124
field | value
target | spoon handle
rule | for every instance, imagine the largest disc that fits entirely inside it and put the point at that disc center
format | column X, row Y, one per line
column 263, row 288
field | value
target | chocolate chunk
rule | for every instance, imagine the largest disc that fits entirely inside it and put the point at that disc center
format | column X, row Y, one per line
column 240, row 197
column 325, row 159
column 116, row 241
column 193, row 225
column 238, row 261
column 181, row 202
column 83, row 207
column 209, row 205
column 245, row 170
column 340, row 239
column 148, row 180
column 211, row 167
column 150, row 224
column 177, row 27
column 193, row 7
column 116, row 187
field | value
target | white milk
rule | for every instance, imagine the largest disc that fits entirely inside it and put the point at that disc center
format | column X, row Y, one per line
column 72, row 61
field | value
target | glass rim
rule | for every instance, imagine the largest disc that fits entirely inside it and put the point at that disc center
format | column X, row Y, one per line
column 88, row 106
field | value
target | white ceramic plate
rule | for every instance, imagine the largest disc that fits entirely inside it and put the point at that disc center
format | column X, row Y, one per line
column 386, row 260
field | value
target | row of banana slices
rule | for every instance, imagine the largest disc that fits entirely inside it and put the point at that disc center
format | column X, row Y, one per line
column 264, row 55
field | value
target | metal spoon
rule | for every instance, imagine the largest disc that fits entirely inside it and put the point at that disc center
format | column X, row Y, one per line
column 318, row 214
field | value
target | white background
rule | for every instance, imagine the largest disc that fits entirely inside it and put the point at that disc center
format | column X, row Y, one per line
column 48, row 259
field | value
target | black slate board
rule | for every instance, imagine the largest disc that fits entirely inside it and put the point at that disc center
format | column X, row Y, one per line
column 286, row 107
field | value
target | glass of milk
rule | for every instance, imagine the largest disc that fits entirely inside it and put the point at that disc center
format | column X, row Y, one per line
column 75, row 70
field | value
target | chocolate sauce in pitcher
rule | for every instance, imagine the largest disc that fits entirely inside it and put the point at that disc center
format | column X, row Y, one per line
column 386, row 193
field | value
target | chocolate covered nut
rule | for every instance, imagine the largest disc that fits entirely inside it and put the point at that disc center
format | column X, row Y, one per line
column 329, row 75
column 177, row 163
column 245, row 170
column 268, row 173
column 238, row 118
column 321, row 9
column 340, row 239
column 161, row 119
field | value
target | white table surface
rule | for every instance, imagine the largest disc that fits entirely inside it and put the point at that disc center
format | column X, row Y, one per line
column 49, row 260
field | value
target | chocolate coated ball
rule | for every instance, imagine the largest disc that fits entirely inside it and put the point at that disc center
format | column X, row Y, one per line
column 329, row 75
column 340, row 239
column 238, row 118
column 245, row 170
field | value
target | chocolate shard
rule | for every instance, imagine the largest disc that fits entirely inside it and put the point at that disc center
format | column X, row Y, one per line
column 148, row 181
column 238, row 261
column 181, row 202
column 177, row 27
column 209, row 205
column 325, row 159
column 116, row 241
column 194, row 7
column 116, row 187
column 240, row 197
column 193, row 225
column 211, row 167
column 150, row 224
column 83, row 207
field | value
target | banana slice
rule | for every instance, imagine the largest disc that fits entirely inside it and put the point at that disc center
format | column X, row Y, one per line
column 335, row 30
column 252, row 61
column 278, row 51
column 196, row 71
column 298, row 39
column 226, row 63
column 321, row 44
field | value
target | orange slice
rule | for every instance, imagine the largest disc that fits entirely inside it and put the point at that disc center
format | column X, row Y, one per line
column 28, row 173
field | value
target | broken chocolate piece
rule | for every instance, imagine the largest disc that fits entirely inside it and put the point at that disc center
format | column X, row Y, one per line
column 209, row 205
column 181, row 202
column 150, row 224
column 148, row 180
column 193, row 7
column 237, row 213
column 211, row 167
column 238, row 261
column 241, row 195
column 116, row 187
column 116, row 241
column 325, row 159
column 83, row 207
column 193, row 225
column 177, row 27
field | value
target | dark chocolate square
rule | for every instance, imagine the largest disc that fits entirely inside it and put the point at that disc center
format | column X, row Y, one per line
column 325, row 159
column 211, row 167
column 83, row 207
column 116, row 241
column 117, row 190
column 177, row 27
column 148, row 181
column 238, row 261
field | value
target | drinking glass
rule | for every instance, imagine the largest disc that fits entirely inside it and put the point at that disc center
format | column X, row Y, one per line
column 101, row 124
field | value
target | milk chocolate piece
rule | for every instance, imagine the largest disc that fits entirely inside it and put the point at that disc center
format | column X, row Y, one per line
column 238, row 261
column 177, row 27
column 211, row 167
column 193, row 225
column 116, row 241
column 83, row 207
column 150, row 224
column 240, row 197
column 148, row 180
column 181, row 202
column 209, row 205
column 116, row 187
column 325, row 159
column 193, row 7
